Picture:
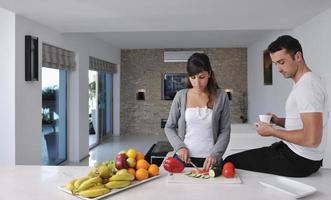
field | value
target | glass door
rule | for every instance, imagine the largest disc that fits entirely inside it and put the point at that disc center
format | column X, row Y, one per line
column 54, row 116
column 105, row 102
column 100, row 107
column 109, row 105
column 93, row 111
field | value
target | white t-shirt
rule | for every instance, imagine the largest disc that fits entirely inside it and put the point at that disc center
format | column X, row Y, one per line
column 199, row 133
column 308, row 95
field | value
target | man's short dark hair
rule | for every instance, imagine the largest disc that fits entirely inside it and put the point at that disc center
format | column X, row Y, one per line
column 287, row 42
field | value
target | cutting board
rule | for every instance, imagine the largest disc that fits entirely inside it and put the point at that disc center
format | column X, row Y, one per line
column 184, row 179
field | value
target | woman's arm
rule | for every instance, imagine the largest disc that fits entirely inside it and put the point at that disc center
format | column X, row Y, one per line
column 223, row 137
column 171, row 126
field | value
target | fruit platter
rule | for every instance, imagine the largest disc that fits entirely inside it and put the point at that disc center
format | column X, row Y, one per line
column 129, row 169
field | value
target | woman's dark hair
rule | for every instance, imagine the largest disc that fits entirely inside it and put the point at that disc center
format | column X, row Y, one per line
column 198, row 63
column 287, row 42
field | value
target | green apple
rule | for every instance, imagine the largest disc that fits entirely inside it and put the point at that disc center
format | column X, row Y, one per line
column 131, row 162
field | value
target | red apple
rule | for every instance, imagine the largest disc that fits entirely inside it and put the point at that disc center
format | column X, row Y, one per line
column 120, row 161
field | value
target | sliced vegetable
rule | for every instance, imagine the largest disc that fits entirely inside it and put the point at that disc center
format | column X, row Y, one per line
column 215, row 172
column 206, row 176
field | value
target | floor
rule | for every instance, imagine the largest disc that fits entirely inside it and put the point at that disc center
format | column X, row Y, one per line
column 109, row 149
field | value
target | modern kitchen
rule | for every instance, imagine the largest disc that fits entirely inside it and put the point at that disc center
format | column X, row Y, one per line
column 117, row 66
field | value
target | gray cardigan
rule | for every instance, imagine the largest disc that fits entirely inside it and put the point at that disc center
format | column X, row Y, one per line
column 175, row 128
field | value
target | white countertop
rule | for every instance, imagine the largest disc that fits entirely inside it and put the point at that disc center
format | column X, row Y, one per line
column 41, row 182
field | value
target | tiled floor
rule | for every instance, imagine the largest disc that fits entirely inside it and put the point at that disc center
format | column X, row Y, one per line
column 109, row 149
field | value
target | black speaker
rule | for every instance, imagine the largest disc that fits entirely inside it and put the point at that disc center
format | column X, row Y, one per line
column 31, row 58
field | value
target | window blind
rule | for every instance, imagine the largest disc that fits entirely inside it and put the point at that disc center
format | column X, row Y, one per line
column 58, row 58
column 101, row 65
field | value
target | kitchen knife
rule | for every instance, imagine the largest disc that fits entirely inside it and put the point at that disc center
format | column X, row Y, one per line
column 195, row 167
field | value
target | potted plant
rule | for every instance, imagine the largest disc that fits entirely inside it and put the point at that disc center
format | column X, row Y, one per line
column 49, row 96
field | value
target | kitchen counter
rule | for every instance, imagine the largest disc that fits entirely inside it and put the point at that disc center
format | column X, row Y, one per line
column 41, row 182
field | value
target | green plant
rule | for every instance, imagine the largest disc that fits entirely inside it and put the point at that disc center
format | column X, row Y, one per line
column 50, row 93
column 92, row 90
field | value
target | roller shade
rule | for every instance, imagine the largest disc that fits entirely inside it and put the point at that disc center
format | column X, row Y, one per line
column 58, row 58
column 101, row 65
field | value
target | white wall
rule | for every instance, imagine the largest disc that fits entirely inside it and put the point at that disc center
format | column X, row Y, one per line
column 78, row 89
column 314, row 36
column 264, row 98
column 7, row 87
column 28, row 94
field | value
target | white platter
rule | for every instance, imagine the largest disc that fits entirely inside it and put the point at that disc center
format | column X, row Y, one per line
column 290, row 187
column 113, row 191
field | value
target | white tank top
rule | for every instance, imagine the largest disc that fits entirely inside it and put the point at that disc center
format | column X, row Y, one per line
column 199, row 134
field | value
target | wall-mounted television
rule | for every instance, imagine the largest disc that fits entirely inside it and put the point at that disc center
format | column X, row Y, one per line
column 171, row 83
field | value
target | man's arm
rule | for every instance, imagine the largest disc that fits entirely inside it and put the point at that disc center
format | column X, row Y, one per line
column 277, row 120
column 310, row 135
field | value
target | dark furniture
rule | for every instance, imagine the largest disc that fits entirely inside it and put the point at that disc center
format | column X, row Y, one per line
column 157, row 152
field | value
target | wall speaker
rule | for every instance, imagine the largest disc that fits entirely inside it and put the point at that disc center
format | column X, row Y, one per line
column 31, row 58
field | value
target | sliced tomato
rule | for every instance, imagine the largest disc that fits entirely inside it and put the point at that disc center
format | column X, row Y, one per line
column 202, row 172
column 195, row 171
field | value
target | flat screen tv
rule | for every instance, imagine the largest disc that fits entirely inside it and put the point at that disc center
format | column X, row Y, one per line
column 171, row 83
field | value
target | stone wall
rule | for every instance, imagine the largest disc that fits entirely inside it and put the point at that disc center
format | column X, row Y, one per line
column 142, row 69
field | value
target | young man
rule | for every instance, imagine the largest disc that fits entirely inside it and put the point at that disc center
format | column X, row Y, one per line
column 300, row 151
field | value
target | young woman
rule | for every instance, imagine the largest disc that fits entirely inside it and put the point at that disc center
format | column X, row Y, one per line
column 198, row 126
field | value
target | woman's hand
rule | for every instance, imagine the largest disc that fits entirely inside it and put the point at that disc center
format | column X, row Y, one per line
column 210, row 162
column 183, row 154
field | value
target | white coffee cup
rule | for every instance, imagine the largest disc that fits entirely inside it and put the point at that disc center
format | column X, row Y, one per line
column 265, row 118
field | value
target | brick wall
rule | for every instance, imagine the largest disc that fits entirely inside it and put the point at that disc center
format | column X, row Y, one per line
column 142, row 69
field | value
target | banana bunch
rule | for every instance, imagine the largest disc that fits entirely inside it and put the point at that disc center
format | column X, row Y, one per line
column 100, row 180
column 120, row 180
column 94, row 191
column 87, row 186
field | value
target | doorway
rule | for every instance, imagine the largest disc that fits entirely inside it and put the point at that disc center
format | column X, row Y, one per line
column 100, row 107
column 54, row 116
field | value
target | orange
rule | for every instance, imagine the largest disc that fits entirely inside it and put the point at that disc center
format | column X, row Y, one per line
column 132, row 171
column 141, row 174
column 142, row 164
column 153, row 170
column 139, row 155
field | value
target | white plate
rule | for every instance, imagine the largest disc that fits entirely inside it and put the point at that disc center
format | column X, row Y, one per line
column 113, row 191
column 288, row 186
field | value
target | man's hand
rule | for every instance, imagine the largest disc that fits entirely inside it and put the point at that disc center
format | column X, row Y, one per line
column 264, row 129
column 310, row 135
column 183, row 154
